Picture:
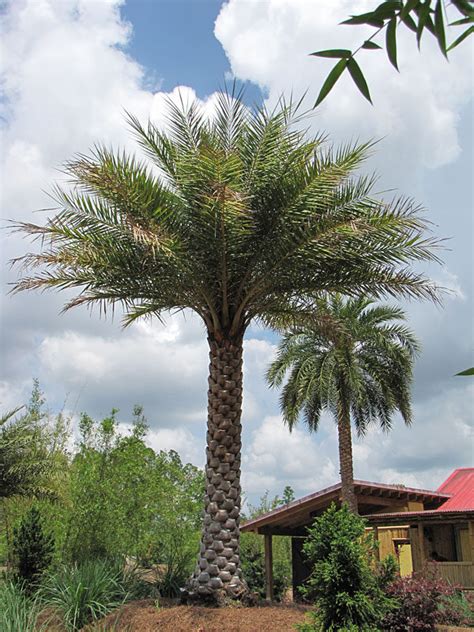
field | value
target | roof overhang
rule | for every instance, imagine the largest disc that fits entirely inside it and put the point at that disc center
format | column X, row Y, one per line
column 293, row 518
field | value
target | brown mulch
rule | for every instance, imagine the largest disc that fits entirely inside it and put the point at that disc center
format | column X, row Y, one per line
column 144, row 616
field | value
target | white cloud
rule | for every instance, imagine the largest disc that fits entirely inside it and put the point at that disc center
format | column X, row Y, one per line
column 277, row 457
column 269, row 43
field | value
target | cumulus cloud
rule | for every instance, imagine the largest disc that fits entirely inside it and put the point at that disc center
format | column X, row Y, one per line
column 67, row 78
column 269, row 43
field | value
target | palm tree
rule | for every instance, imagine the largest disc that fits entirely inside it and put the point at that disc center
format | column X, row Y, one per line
column 357, row 360
column 238, row 217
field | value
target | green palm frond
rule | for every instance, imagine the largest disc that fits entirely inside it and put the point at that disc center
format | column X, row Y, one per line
column 237, row 216
column 360, row 355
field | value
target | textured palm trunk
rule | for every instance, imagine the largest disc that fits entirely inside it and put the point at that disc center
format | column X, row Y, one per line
column 345, row 458
column 218, row 574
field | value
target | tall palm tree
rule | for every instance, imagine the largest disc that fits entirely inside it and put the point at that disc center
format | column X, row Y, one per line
column 238, row 216
column 356, row 361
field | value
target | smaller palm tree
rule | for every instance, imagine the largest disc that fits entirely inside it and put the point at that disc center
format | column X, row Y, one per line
column 355, row 360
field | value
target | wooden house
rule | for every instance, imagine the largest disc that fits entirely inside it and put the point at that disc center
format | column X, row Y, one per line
column 419, row 526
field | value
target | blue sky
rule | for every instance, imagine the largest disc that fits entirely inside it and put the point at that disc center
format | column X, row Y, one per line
column 70, row 67
column 188, row 54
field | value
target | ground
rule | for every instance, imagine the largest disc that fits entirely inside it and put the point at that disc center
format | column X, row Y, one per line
column 144, row 616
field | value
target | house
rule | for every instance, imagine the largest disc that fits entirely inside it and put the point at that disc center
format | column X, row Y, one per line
column 419, row 526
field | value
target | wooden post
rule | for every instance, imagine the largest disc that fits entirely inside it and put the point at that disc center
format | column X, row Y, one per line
column 268, row 567
column 421, row 544
column 470, row 525
column 376, row 538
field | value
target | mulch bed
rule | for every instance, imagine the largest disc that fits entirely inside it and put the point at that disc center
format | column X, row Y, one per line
column 144, row 616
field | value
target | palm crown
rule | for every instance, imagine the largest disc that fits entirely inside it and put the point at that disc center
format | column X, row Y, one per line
column 237, row 216
column 244, row 218
column 357, row 361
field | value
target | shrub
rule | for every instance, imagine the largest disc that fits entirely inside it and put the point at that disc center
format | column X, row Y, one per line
column 424, row 600
column 342, row 583
column 18, row 612
column 253, row 566
column 33, row 548
column 83, row 593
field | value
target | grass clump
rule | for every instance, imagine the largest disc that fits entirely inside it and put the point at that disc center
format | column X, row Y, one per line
column 18, row 611
column 82, row 593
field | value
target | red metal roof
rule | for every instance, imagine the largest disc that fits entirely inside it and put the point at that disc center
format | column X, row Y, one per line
column 460, row 484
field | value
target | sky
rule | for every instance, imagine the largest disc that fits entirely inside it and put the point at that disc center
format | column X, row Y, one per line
column 69, row 69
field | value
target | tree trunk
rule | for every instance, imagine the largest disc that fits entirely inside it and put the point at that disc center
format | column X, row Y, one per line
column 218, row 574
column 345, row 457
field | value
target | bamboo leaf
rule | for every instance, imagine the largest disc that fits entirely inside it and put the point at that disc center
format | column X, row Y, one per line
column 337, row 53
column 466, row 372
column 409, row 6
column 410, row 22
column 464, row 7
column 358, row 77
column 439, row 27
column 461, row 38
column 387, row 9
column 368, row 45
column 363, row 18
column 331, row 79
column 391, row 41
column 423, row 16
column 462, row 21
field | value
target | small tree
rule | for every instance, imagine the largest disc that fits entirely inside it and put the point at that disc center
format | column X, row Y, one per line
column 342, row 582
column 33, row 547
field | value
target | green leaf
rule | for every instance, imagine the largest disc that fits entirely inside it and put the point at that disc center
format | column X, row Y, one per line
column 387, row 9
column 462, row 21
column 461, row 38
column 409, row 6
column 464, row 7
column 466, row 372
column 410, row 22
column 368, row 45
column 363, row 18
column 331, row 79
column 391, row 42
column 423, row 15
column 439, row 27
column 358, row 77
column 337, row 53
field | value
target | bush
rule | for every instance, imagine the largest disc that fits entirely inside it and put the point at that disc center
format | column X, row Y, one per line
column 253, row 565
column 342, row 583
column 83, row 593
column 33, row 548
column 424, row 600
column 18, row 612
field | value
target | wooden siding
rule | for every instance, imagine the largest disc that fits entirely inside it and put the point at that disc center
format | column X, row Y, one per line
column 461, row 573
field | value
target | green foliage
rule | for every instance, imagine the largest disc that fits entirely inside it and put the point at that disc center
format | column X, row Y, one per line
column 342, row 583
column 356, row 353
column 388, row 570
column 26, row 461
column 252, row 550
column 18, row 611
column 467, row 372
column 249, row 219
column 33, row 547
column 82, row 593
column 128, row 500
column 419, row 16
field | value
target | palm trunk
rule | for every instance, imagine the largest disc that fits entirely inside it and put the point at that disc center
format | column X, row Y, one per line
column 218, row 572
column 345, row 457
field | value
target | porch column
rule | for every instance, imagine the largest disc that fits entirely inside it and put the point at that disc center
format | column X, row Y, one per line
column 421, row 545
column 470, row 525
column 268, row 567
column 376, row 538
